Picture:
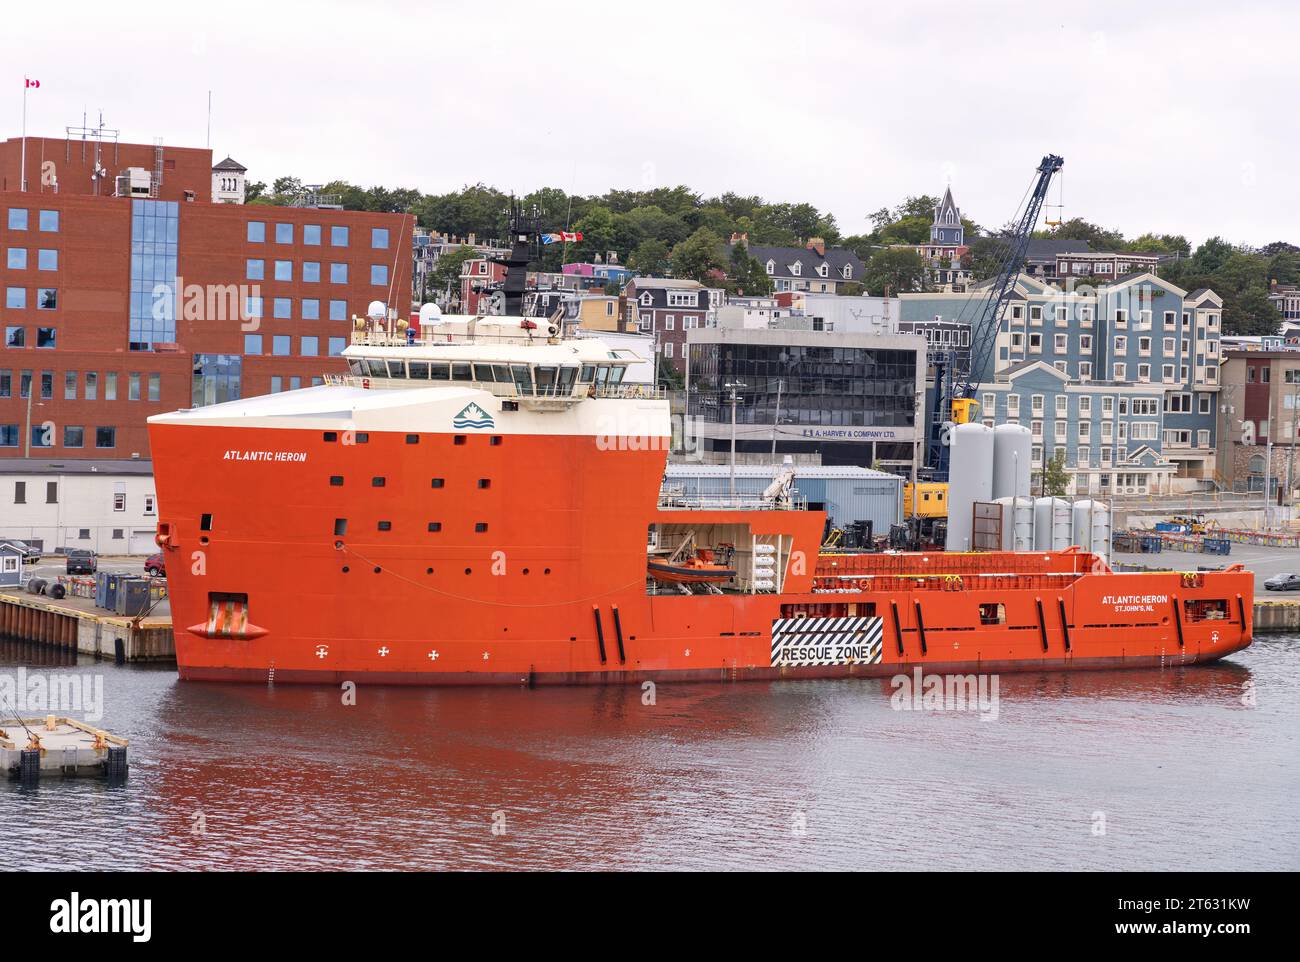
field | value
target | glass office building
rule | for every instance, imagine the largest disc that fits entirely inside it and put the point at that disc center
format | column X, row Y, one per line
column 846, row 399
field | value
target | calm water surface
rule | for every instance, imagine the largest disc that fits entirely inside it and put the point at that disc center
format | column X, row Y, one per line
column 776, row 775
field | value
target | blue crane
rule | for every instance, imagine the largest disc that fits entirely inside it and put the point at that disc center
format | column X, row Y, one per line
column 955, row 389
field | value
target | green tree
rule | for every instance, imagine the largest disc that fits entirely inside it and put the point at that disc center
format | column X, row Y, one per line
column 1076, row 228
column 1211, row 255
column 1056, row 481
column 698, row 255
column 1250, row 312
column 896, row 270
column 650, row 258
column 746, row 274
column 443, row 283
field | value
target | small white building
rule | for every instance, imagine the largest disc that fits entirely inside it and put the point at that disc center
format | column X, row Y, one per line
column 228, row 182
column 108, row 507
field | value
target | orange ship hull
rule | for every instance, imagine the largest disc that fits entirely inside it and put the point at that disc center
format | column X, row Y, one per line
column 477, row 558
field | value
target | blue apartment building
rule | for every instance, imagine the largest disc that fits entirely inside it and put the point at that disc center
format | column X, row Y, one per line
column 1099, row 359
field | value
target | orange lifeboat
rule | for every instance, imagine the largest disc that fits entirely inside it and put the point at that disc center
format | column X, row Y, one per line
column 703, row 567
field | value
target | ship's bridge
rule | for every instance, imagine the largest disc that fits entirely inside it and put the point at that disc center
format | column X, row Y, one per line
column 521, row 358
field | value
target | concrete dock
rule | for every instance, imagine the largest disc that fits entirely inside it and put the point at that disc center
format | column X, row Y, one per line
column 75, row 624
column 33, row 747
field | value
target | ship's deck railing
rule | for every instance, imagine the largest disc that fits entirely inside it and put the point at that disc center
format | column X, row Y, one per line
column 507, row 390
column 516, row 338
column 670, row 500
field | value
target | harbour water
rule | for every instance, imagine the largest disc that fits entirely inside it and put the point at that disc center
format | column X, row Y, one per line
column 1191, row 768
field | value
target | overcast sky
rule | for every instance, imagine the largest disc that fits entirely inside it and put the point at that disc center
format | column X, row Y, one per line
column 1171, row 117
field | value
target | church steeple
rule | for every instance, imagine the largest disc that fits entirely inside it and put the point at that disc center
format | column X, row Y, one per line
column 947, row 227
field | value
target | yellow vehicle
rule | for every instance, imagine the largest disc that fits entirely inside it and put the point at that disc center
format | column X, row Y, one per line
column 1195, row 523
column 926, row 499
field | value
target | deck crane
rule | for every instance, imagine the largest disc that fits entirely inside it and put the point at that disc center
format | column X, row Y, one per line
column 955, row 389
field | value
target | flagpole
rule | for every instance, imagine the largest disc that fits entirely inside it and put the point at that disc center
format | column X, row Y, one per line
column 22, row 163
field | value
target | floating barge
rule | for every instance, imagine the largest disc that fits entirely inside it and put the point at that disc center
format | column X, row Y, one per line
column 34, row 747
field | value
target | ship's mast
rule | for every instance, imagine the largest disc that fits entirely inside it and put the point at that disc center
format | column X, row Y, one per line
column 524, row 231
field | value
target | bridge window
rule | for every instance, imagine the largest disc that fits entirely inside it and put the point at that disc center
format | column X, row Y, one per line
column 438, row 370
column 419, row 370
column 993, row 613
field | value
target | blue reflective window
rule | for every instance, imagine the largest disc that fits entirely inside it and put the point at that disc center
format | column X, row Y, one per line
column 17, row 218
column 277, row 384
column 338, row 273
column 252, row 343
column 310, row 309
column 338, row 237
column 284, row 233
column 42, row 437
column 338, row 310
column 337, row 344
column 310, row 346
column 255, row 270
column 311, row 272
column 284, row 270
column 16, row 260
column 280, row 307
column 379, row 274
column 15, row 336
column 47, row 337
column 47, row 298
column 16, row 297
column 253, row 307
column 47, row 260
column 256, row 232
column 50, row 221
column 281, row 345
column 311, row 234
column 154, row 252
column 379, row 238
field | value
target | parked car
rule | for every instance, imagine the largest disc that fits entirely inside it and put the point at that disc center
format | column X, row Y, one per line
column 31, row 554
column 82, row 562
column 156, row 565
column 1286, row 582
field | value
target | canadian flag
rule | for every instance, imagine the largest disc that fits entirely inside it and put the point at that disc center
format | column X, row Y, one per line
column 30, row 83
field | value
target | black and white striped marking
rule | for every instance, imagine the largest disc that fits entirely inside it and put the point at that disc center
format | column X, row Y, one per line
column 826, row 641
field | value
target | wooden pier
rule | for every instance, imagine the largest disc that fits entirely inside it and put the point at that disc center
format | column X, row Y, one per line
column 75, row 625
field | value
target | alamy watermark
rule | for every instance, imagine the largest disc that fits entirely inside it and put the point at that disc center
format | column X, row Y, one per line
column 62, row 692
column 921, row 692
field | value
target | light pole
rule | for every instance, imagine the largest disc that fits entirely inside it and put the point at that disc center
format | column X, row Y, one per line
column 777, row 420
column 733, row 385
column 1295, row 422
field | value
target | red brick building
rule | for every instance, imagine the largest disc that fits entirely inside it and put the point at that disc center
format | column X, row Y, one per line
column 668, row 308
column 125, row 296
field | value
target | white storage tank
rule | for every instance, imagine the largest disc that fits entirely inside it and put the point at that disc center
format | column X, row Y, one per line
column 1012, row 450
column 970, row 479
column 1017, row 523
column 1053, row 524
column 1092, row 526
